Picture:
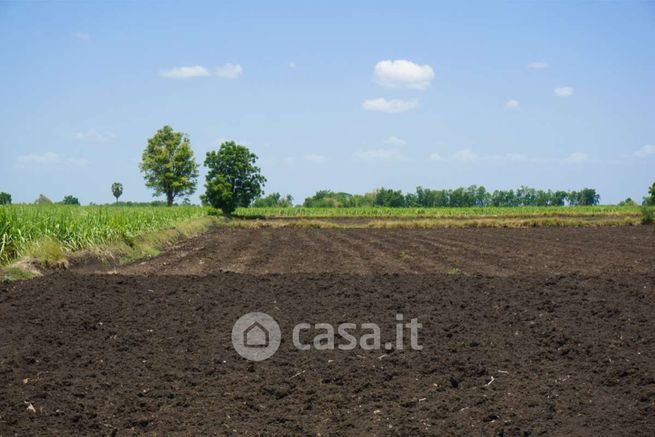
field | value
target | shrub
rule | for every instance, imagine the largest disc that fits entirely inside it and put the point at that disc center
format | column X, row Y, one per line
column 70, row 200
column 273, row 200
column 628, row 202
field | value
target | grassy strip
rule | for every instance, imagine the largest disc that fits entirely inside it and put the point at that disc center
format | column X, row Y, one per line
column 51, row 254
column 22, row 227
column 149, row 244
column 383, row 212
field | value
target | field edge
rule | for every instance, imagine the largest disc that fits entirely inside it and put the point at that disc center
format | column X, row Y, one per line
column 47, row 255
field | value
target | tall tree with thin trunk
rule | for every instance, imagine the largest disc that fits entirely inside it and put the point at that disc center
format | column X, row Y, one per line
column 168, row 164
column 117, row 190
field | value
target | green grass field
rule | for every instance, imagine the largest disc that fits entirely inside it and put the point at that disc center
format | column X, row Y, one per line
column 80, row 227
column 491, row 212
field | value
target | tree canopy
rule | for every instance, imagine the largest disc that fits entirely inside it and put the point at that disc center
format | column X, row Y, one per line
column 168, row 164
column 233, row 180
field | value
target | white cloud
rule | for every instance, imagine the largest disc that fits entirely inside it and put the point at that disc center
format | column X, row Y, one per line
column 82, row 36
column 48, row 158
column 391, row 106
column 380, row 155
column 395, row 141
column 292, row 65
column 576, row 157
column 403, row 74
column 185, row 72
column 564, row 91
column 513, row 104
column 465, row 155
column 435, row 157
column 229, row 71
column 94, row 136
column 312, row 157
column 645, row 151
column 538, row 65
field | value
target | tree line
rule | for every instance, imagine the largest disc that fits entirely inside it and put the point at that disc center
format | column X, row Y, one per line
column 473, row 196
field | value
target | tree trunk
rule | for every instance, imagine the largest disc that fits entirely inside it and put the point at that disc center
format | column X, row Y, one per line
column 169, row 199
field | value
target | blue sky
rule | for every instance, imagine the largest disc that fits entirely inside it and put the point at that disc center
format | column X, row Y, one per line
column 346, row 96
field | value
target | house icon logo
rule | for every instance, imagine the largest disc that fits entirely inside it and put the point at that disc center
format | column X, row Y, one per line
column 256, row 336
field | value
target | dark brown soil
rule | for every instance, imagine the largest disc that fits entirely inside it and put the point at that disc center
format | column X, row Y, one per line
column 525, row 332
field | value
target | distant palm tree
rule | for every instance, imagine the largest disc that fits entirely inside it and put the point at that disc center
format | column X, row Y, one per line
column 117, row 190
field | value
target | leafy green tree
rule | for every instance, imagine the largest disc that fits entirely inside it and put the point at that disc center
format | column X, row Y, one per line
column 558, row 198
column 526, row 196
column 573, row 197
column 458, row 198
column 43, row 200
column 439, row 198
column 168, row 164
column 628, row 202
column 117, row 190
column 411, row 200
column 70, row 200
column 233, row 180
column 504, row 198
column 390, row 198
column 588, row 196
column 423, row 197
column 318, row 199
column 542, row 198
column 5, row 198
